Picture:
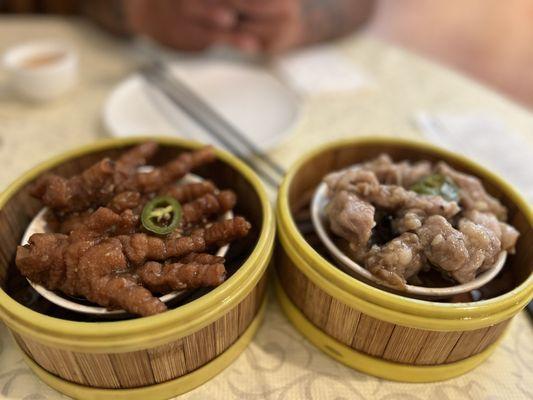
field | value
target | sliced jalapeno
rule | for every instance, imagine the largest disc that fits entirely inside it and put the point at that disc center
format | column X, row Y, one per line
column 161, row 215
column 438, row 185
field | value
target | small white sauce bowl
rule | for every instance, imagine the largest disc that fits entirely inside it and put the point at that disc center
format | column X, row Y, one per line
column 41, row 70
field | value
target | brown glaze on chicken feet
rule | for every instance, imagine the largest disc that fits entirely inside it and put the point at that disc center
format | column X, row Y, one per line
column 162, row 278
column 98, row 184
column 140, row 247
column 102, row 251
column 89, row 265
column 195, row 211
column 170, row 172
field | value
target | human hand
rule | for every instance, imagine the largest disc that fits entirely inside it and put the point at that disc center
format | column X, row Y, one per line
column 186, row 24
column 276, row 25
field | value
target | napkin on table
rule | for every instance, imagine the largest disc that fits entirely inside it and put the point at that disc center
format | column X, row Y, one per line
column 486, row 139
column 320, row 69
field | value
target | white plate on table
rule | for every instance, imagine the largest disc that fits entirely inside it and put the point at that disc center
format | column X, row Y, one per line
column 248, row 96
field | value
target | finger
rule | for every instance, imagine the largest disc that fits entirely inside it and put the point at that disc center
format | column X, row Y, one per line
column 244, row 42
column 273, row 37
column 210, row 14
column 189, row 36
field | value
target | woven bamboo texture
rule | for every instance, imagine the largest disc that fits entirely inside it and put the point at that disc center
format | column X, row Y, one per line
column 360, row 331
column 153, row 364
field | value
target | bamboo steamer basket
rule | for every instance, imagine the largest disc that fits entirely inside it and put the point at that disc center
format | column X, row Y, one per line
column 154, row 357
column 374, row 331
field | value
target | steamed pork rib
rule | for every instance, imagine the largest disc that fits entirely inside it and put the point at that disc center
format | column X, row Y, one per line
column 123, row 234
column 472, row 193
column 366, row 186
column 98, row 184
column 444, row 246
column 391, row 197
column 87, row 264
column 430, row 217
column 403, row 173
column 483, row 248
column 408, row 220
column 507, row 234
column 351, row 218
column 461, row 252
column 397, row 260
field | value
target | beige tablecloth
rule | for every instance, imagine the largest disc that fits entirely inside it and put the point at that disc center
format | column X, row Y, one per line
column 279, row 363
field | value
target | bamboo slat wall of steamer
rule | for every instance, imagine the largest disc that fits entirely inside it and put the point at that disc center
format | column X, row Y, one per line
column 370, row 335
column 148, row 366
column 151, row 365
column 379, row 338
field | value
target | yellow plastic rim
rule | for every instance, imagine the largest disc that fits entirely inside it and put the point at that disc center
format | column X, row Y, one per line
column 163, row 390
column 123, row 336
column 388, row 306
column 373, row 365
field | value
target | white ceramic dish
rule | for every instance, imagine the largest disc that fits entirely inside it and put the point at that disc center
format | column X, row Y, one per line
column 38, row 225
column 41, row 70
column 248, row 96
column 318, row 204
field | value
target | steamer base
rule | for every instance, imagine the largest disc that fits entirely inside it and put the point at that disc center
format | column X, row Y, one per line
column 373, row 365
column 163, row 390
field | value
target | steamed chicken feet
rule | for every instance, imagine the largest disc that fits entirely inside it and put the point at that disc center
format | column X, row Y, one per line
column 88, row 265
column 103, row 252
column 98, row 184
column 163, row 278
column 203, row 207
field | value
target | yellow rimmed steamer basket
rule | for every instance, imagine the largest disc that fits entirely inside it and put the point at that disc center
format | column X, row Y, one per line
column 147, row 358
column 374, row 331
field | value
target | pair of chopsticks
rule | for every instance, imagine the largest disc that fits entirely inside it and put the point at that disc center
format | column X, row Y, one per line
column 182, row 96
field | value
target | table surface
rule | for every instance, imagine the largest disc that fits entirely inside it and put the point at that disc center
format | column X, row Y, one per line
column 279, row 363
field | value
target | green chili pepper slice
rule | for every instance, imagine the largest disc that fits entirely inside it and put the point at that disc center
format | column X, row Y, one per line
column 437, row 185
column 161, row 215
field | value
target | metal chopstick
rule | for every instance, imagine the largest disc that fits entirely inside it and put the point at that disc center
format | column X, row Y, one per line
column 179, row 94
